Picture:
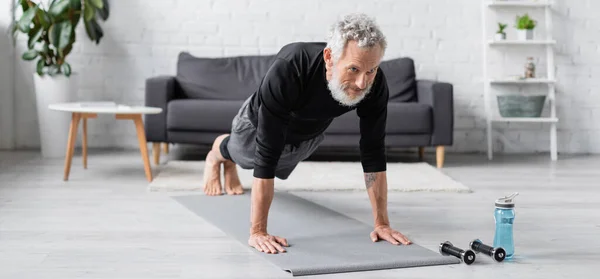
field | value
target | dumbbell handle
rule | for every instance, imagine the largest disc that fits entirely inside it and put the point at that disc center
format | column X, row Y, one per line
column 480, row 247
column 452, row 250
column 497, row 253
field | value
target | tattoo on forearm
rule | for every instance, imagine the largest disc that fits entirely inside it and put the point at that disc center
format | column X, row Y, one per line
column 369, row 179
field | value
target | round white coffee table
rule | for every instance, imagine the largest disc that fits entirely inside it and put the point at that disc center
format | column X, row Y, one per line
column 85, row 110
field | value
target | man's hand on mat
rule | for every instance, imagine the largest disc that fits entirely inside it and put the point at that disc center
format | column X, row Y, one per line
column 269, row 244
column 388, row 234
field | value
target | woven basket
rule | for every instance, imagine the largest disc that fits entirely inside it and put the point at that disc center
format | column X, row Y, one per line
column 521, row 106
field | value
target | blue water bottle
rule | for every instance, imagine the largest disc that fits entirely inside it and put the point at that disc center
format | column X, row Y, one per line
column 504, row 216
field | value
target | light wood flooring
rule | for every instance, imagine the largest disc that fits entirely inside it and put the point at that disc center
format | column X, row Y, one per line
column 103, row 223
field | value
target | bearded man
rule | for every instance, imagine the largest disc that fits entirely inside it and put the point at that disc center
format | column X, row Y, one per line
column 282, row 123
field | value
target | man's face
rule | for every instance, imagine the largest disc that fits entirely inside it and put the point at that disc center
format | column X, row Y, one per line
column 351, row 77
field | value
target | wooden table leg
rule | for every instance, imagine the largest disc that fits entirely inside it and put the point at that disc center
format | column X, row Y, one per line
column 85, row 117
column 141, row 134
column 84, row 143
column 75, row 117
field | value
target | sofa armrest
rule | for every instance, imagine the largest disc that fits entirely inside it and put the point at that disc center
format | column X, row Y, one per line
column 159, row 91
column 439, row 95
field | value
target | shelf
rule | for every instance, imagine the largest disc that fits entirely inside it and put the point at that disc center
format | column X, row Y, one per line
column 521, row 42
column 530, row 4
column 526, row 119
column 492, row 83
column 522, row 81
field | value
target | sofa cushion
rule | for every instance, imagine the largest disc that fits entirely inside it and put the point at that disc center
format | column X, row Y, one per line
column 401, row 79
column 402, row 118
column 226, row 78
column 202, row 115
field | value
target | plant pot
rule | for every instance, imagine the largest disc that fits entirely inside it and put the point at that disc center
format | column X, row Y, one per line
column 54, row 125
column 525, row 34
column 521, row 106
column 500, row 36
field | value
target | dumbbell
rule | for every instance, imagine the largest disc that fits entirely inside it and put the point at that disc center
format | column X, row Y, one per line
column 468, row 256
column 497, row 253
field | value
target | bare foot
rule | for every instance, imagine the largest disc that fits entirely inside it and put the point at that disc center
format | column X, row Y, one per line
column 233, row 186
column 212, row 175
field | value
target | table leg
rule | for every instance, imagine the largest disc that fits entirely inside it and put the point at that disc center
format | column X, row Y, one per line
column 84, row 143
column 141, row 134
column 75, row 117
column 85, row 117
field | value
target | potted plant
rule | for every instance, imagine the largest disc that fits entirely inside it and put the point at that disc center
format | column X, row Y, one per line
column 525, row 26
column 50, row 33
column 500, row 34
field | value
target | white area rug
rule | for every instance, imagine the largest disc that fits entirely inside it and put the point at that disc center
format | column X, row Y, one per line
column 315, row 176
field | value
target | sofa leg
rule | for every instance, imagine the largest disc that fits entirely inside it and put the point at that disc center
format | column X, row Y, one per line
column 165, row 146
column 421, row 152
column 440, row 156
column 156, row 152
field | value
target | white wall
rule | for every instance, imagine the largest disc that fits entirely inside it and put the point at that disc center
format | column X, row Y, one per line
column 6, row 78
column 143, row 38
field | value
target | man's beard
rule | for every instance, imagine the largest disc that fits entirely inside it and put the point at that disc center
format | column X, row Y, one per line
column 338, row 93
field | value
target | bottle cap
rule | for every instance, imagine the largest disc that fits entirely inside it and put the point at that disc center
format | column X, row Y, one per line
column 507, row 202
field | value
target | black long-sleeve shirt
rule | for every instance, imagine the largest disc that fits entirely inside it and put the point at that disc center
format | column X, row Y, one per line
column 293, row 103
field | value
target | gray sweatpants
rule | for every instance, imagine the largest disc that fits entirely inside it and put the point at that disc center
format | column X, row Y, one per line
column 241, row 146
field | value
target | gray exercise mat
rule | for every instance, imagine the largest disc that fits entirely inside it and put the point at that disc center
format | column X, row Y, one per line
column 321, row 240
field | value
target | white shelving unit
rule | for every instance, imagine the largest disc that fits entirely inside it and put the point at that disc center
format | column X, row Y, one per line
column 490, row 6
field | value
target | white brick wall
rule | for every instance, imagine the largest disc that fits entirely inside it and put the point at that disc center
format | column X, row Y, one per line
column 143, row 38
column 6, row 78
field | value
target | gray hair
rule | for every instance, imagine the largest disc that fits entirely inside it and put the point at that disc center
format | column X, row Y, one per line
column 358, row 27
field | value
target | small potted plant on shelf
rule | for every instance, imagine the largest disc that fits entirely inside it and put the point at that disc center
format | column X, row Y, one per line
column 500, row 34
column 525, row 25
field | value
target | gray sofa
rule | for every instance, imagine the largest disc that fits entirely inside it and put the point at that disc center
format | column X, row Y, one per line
column 200, row 101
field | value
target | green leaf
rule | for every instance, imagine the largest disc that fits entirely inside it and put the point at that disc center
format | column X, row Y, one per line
column 14, row 29
column 53, row 70
column 26, row 19
column 40, row 67
column 54, row 34
column 99, row 32
column 97, row 3
column 59, row 8
column 66, row 29
column 94, row 31
column 34, row 35
column 43, row 18
column 29, row 55
column 66, row 69
column 104, row 12
column 75, row 18
column 42, row 48
column 90, row 30
column 75, row 4
column 89, row 11
column 60, row 35
column 69, row 47
column 24, row 5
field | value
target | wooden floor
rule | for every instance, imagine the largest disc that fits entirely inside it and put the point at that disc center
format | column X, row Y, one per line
column 104, row 224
